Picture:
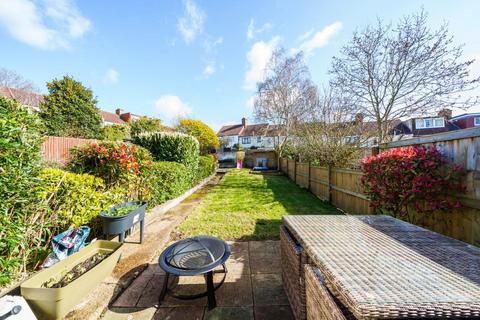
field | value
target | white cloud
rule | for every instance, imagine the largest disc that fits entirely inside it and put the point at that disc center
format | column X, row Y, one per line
column 258, row 58
column 111, row 76
column 250, row 103
column 172, row 107
column 191, row 23
column 210, row 45
column 48, row 26
column 252, row 32
column 319, row 39
column 306, row 35
column 209, row 70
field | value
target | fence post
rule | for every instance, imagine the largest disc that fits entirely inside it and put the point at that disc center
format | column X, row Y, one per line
column 295, row 171
column 308, row 181
column 329, row 184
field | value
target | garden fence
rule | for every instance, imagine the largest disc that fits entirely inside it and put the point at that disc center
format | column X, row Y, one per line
column 343, row 189
column 57, row 149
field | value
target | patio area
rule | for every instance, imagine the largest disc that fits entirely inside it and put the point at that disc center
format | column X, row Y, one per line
column 253, row 289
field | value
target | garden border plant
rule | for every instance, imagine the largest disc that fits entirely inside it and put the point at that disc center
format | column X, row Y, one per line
column 415, row 177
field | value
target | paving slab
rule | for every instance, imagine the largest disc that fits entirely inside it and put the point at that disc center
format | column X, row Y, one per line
column 129, row 314
column 239, row 261
column 273, row 313
column 151, row 293
column 268, row 290
column 132, row 294
column 235, row 291
column 229, row 313
column 265, row 257
column 180, row 313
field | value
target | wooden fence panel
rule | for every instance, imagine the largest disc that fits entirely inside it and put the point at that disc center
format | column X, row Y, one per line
column 57, row 149
column 319, row 182
column 347, row 191
column 283, row 165
column 302, row 174
column 291, row 169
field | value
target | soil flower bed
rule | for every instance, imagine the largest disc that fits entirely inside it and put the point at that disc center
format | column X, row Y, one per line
column 76, row 271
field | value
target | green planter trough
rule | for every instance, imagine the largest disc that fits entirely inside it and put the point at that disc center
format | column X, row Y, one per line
column 55, row 303
column 113, row 225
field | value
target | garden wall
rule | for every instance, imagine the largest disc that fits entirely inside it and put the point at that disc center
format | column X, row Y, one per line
column 343, row 188
column 57, row 149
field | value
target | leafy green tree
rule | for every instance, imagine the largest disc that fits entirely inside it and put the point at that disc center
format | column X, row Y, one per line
column 145, row 124
column 70, row 110
column 116, row 132
column 205, row 135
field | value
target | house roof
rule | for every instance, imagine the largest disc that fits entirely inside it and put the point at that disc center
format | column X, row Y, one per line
column 111, row 117
column 26, row 98
column 230, row 130
column 465, row 115
column 260, row 129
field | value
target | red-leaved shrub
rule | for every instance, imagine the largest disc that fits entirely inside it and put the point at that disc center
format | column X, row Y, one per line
column 412, row 177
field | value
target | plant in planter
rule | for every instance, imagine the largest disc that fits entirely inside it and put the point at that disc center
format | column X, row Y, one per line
column 123, row 217
column 53, row 292
column 240, row 155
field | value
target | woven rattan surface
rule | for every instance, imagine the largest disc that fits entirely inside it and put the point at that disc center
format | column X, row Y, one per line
column 381, row 267
column 292, row 274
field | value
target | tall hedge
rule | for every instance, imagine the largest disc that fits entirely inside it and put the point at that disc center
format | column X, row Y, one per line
column 21, row 228
column 206, row 167
column 172, row 146
column 165, row 181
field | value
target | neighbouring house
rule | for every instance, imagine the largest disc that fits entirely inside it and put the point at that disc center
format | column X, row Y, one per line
column 466, row 120
column 256, row 139
column 117, row 117
column 247, row 136
column 439, row 123
column 33, row 101
column 30, row 100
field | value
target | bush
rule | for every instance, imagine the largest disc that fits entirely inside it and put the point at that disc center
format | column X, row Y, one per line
column 206, row 167
column 77, row 199
column 144, row 125
column 206, row 137
column 166, row 180
column 116, row 163
column 176, row 147
column 22, row 231
column 416, row 176
column 116, row 132
column 70, row 110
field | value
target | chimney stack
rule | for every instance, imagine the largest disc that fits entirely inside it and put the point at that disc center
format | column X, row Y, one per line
column 445, row 113
column 244, row 122
column 119, row 111
column 359, row 118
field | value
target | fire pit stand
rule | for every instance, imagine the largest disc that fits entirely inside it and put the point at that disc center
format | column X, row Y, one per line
column 192, row 257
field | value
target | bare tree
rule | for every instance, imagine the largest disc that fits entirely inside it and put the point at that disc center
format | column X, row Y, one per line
column 286, row 96
column 402, row 71
column 11, row 79
column 334, row 135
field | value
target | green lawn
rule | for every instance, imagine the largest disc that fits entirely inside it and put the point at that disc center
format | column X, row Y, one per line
column 247, row 206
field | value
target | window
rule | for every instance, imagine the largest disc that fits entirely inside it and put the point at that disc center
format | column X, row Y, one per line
column 259, row 139
column 477, row 121
column 426, row 123
column 246, row 140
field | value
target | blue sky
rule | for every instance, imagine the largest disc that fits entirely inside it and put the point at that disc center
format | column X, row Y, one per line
column 194, row 58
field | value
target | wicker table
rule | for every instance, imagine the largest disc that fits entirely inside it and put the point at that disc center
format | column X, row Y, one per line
column 378, row 267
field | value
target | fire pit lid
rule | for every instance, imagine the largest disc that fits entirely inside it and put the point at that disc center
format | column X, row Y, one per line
column 197, row 253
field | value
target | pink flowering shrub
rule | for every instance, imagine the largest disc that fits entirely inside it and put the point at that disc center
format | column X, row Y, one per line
column 412, row 177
